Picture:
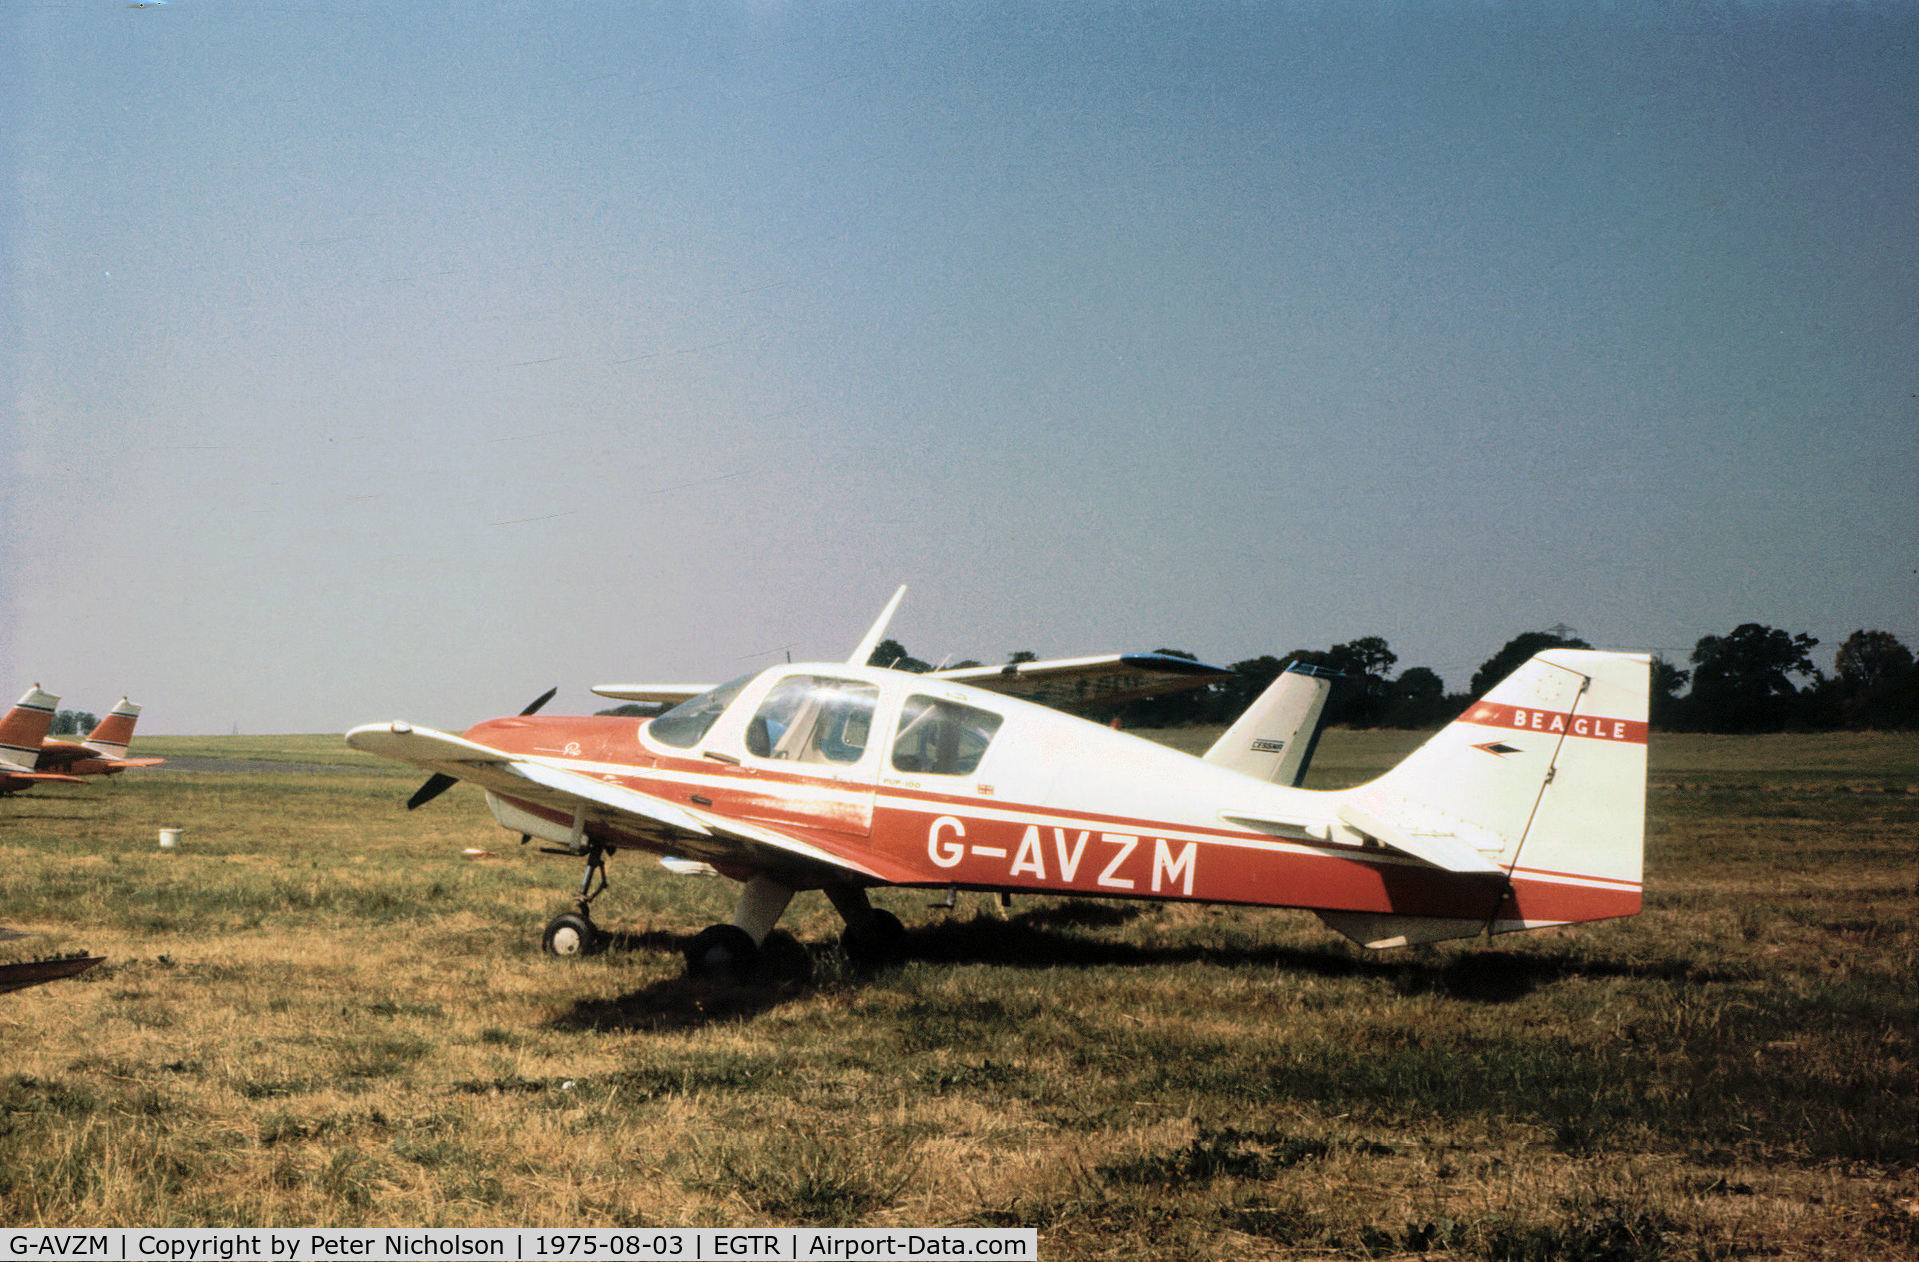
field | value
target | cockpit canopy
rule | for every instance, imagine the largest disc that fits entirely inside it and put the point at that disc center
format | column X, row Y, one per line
column 829, row 720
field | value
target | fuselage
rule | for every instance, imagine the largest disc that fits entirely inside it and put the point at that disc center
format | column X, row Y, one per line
column 933, row 783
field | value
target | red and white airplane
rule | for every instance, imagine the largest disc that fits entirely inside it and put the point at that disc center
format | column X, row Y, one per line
column 104, row 752
column 28, row 758
column 22, row 731
column 1527, row 811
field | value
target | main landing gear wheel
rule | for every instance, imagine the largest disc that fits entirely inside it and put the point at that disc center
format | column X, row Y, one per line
column 783, row 961
column 875, row 940
column 570, row 933
column 721, row 951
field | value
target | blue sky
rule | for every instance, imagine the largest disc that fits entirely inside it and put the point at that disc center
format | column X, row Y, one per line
column 364, row 361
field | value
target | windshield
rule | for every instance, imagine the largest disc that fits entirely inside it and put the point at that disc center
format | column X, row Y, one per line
column 684, row 725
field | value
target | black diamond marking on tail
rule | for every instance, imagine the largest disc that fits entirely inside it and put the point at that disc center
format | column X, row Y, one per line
column 1500, row 748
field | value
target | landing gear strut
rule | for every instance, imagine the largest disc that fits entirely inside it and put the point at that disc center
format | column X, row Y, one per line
column 732, row 950
column 573, row 932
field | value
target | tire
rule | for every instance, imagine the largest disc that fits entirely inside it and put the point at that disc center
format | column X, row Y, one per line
column 721, row 951
column 570, row 933
column 783, row 961
column 875, row 941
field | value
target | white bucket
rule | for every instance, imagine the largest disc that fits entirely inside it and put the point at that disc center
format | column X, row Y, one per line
column 170, row 838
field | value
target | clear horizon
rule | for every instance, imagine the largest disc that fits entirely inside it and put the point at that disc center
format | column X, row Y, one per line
column 401, row 362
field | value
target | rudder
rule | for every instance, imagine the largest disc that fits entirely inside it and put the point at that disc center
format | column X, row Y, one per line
column 1544, row 779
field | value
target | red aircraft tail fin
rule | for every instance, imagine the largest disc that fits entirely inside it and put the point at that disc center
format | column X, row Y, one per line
column 115, row 732
column 24, row 727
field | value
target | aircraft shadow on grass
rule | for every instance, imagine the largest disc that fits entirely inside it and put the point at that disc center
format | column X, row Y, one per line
column 1035, row 940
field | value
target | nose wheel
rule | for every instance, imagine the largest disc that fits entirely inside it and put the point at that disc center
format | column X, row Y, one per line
column 573, row 932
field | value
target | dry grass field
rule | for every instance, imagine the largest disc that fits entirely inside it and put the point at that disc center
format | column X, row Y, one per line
column 316, row 1011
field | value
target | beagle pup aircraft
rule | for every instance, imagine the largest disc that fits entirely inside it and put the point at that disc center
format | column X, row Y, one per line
column 1527, row 811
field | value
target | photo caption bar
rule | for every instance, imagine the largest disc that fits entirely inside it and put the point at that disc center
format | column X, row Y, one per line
column 515, row 1244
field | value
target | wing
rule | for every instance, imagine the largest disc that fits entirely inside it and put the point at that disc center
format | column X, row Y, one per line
column 58, row 755
column 1086, row 683
column 668, row 826
column 669, row 694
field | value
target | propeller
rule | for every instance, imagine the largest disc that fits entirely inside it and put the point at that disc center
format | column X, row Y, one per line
column 439, row 782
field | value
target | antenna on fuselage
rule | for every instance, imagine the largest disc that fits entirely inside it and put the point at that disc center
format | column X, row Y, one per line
column 872, row 640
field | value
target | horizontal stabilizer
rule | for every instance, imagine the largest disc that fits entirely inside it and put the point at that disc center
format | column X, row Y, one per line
column 1442, row 850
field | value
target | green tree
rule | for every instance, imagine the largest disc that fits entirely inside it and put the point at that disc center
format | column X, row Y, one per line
column 892, row 655
column 1517, row 650
column 1362, row 697
column 1743, row 682
column 1665, row 703
column 1419, row 683
column 1230, row 697
column 1417, row 700
column 1870, row 658
column 72, row 723
column 1877, row 683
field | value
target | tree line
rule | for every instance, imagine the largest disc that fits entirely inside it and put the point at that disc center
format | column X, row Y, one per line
column 72, row 723
column 1754, row 679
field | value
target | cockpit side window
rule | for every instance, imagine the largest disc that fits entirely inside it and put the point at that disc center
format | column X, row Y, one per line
column 688, row 722
column 813, row 718
column 942, row 738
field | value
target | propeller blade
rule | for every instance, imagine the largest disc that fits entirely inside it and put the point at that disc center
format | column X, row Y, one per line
column 439, row 783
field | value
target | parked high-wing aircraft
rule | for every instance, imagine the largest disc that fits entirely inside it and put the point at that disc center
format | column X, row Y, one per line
column 104, row 752
column 23, row 729
column 1527, row 811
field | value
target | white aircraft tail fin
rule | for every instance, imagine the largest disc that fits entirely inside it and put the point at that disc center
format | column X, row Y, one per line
column 24, row 727
column 113, row 734
column 1275, row 738
column 1543, row 779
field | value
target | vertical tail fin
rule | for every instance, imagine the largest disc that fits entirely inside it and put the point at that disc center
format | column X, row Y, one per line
column 113, row 734
column 1543, row 779
column 24, row 727
column 1275, row 738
